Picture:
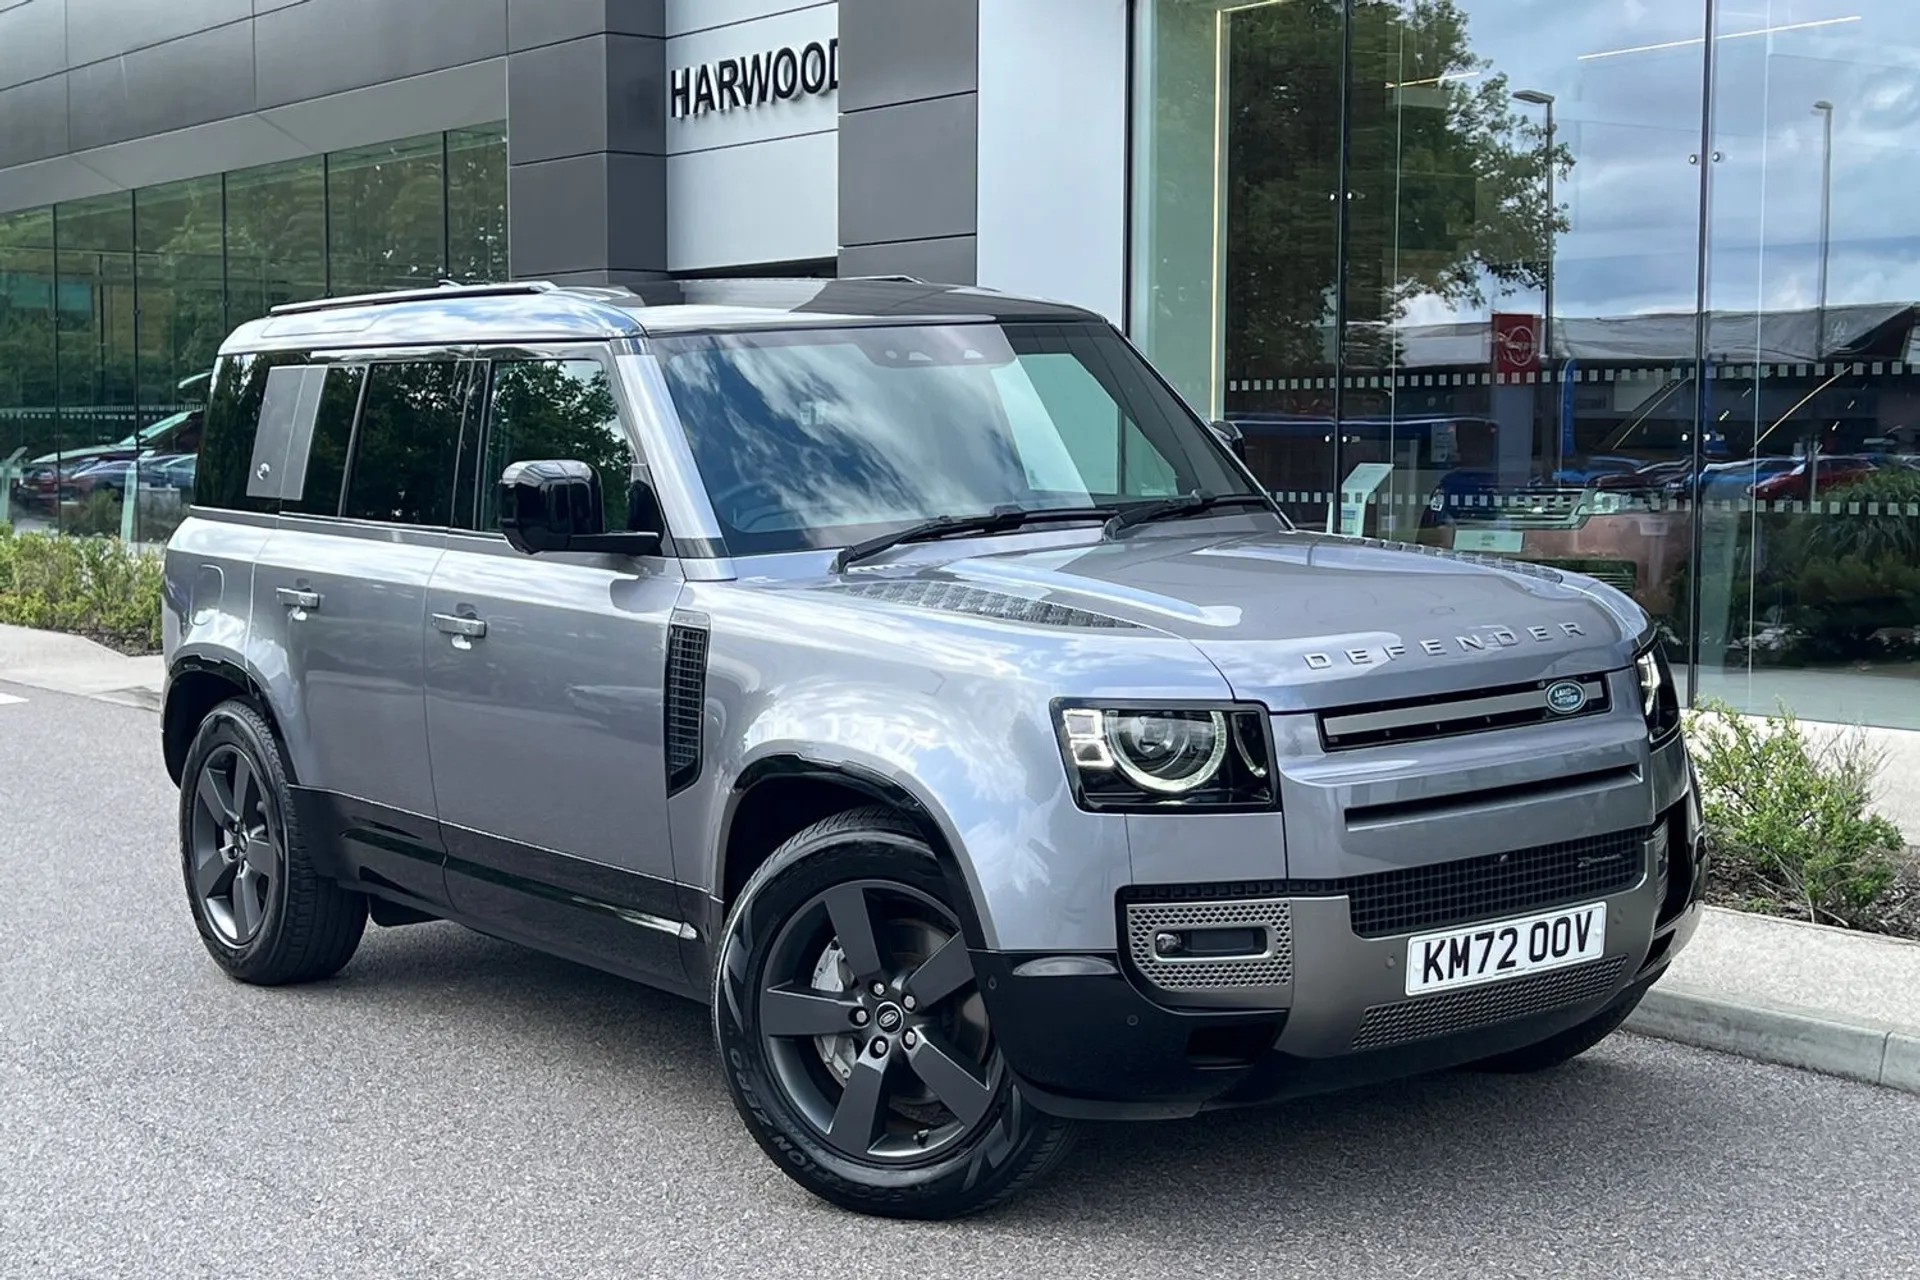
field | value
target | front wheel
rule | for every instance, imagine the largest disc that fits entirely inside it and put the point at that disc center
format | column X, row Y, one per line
column 853, row 1033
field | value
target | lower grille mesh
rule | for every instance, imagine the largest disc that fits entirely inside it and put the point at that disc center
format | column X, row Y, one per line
column 1428, row 1017
column 1274, row 969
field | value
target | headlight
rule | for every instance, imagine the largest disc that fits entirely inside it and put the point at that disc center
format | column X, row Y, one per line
column 1659, row 699
column 1123, row 757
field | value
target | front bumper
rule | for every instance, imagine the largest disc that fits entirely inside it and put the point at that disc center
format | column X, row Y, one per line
column 1335, row 1014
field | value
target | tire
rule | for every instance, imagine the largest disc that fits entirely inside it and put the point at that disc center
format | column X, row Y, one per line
column 845, row 1060
column 1558, row 1050
column 263, row 913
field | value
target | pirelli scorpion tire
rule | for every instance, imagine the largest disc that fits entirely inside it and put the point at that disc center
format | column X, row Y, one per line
column 853, row 1036
column 264, row 914
column 1561, row 1049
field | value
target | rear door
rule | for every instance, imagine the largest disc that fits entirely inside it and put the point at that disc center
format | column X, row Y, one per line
column 340, row 594
column 544, row 691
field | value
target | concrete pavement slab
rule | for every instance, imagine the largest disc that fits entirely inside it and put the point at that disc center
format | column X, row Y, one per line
column 76, row 665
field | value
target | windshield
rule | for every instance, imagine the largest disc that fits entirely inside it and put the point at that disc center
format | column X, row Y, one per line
column 819, row 438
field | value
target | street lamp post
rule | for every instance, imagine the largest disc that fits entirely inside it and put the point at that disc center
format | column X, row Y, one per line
column 1824, row 109
column 1541, row 98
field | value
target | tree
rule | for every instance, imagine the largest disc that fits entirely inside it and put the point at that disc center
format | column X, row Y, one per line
column 1447, row 180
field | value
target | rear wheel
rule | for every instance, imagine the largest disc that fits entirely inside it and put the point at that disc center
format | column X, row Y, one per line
column 1558, row 1050
column 263, row 913
column 854, row 1036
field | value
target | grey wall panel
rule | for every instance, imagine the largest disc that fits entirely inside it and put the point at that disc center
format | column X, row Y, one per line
column 268, row 6
column 215, row 147
column 35, row 116
column 531, row 23
column 557, row 97
column 49, row 182
column 452, row 99
column 197, row 78
column 946, row 261
column 894, row 51
column 33, row 40
column 557, row 216
column 908, row 172
column 327, row 46
column 636, row 212
column 99, row 29
column 591, row 213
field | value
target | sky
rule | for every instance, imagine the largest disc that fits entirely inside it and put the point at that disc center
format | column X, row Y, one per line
column 1627, row 78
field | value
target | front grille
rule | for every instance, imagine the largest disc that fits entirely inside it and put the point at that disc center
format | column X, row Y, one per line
column 1449, row 893
column 1450, row 715
column 1428, row 1017
column 1273, row 969
column 1497, row 884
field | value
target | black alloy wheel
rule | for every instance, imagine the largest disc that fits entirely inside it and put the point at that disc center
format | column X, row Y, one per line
column 856, row 1038
column 263, row 911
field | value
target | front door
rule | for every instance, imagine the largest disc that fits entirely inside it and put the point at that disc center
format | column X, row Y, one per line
column 544, row 678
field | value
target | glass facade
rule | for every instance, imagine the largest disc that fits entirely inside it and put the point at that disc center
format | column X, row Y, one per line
column 111, row 308
column 1626, row 288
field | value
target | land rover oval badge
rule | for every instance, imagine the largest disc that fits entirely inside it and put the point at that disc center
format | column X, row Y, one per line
column 1566, row 697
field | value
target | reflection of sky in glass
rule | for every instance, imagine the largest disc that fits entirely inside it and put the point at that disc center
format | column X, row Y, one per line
column 1629, row 111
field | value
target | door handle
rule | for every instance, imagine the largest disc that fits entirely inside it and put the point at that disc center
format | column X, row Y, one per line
column 464, row 630
column 301, row 602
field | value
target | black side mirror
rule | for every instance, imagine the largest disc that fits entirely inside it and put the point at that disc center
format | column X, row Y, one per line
column 553, row 505
column 1231, row 437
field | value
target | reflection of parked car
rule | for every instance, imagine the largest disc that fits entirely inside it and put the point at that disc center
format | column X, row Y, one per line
column 908, row 673
column 1811, row 476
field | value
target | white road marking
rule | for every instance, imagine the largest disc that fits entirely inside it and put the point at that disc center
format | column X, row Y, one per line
column 7, row 699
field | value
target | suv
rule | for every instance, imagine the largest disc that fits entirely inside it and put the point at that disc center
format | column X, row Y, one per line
column 907, row 672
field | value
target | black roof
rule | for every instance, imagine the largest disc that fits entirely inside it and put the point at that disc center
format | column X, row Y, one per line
column 537, row 311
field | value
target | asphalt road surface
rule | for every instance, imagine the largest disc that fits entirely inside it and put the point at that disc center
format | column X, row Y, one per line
column 456, row 1106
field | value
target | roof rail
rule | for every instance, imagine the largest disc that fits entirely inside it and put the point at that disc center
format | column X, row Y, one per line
column 900, row 278
column 442, row 290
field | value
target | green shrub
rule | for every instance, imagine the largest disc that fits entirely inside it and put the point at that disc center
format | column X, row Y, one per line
column 93, row 586
column 1789, row 819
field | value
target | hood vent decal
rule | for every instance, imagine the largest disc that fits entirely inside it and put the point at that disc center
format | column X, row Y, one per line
column 955, row 597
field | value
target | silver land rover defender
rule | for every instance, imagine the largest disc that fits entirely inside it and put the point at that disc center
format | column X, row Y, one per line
column 907, row 672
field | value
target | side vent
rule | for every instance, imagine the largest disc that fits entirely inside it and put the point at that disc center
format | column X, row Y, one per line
column 686, row 698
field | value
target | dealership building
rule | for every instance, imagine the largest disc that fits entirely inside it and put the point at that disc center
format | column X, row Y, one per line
column 1630, row 289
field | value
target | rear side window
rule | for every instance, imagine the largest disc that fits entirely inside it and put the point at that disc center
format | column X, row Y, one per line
column 401, row 471
column 232, row 421
column 555, row 409
column 332, row 431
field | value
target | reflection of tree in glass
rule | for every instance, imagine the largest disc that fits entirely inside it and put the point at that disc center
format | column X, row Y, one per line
column 557, row 409
column 409, row 434
column 1447, row 180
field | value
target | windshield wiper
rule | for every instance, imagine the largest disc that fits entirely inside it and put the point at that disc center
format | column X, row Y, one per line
column 997, row 520
column 1191, row 504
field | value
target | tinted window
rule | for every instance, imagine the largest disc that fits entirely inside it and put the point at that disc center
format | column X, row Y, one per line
column 817, row 438
column 233, row 417
column 327, row 453
column 554, row 409
column 403, row 454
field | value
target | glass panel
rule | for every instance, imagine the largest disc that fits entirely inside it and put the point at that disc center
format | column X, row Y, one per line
column 94, row 323
column 1236, row 248
column 1809, row 565
column 386, row 216
column 178, row 264
column 555, row 409
column 477, row 204
column 1518, row 352
column 403, row 457
column 819, row 438
column 327, row 451
column 28, row 382
column 276, row 237
column 233, row 420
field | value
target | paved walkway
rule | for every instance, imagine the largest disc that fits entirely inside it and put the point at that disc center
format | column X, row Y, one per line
column 70, row 664
column 1775, row 990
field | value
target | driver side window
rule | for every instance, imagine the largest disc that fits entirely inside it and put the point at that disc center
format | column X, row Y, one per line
column 554, row 409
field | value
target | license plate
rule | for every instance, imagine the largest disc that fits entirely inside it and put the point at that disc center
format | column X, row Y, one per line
column 1505, row 949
